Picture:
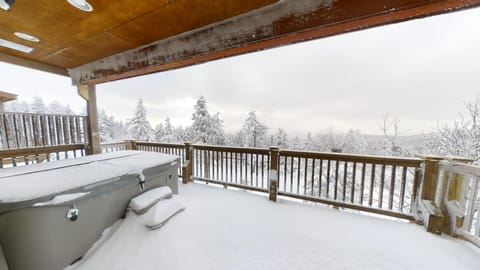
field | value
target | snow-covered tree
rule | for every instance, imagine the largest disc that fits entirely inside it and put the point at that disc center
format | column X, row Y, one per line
column 56, row 108
column 218, row 134
column 104, row 127
column 37, row 105
column 354, row 142
column 159, row 132
column 462, row 137
column 202, row 122
column 280, row 138
column 205, row 128
column 254, row 131
column 138, row 127
column 309, row 144
column 16, row 106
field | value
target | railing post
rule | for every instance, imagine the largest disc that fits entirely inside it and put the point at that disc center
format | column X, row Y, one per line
column 273, row 174
column 131, row 145
column 187, row 167
column 430, row 179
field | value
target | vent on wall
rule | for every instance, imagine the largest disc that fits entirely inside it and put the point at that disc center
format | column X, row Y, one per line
column 15, row 46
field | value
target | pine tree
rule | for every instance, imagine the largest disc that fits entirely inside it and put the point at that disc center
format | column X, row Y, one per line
column 254, row 131
column 280, row 138
column 202, row 122
column 104, row 127
column 218, row 134
column 37, row 105
column 138, row 127
column 159, row 132
column 205, row 129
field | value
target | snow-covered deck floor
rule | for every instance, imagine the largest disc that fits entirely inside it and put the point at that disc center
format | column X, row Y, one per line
column 227, row 229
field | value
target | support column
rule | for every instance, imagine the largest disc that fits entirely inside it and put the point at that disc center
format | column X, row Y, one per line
column 88, row 92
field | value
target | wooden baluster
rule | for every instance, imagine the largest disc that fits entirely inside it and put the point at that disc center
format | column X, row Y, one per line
column 291, row 174
column 352, row 189
column 298, row 174
column 402, row 188
column 312, row 180
column 305, row 175
column 382, row 184
column 345, row 172
column 328, row 178
column 362, row 182
column 335, row 187
column 25, row 131
column 392, row 188
column 320, row 177
column 372, row 184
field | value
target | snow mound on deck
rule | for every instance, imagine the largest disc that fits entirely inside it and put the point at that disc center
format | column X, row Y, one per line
column 225, row 229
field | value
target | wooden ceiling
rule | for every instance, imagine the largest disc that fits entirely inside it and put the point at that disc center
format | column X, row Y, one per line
column 120, row 39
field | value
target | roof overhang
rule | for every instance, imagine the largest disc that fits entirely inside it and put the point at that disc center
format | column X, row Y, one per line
column 5, row 97
column 111, row 47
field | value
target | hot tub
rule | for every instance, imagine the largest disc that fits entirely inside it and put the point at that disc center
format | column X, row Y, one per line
column 52, row 213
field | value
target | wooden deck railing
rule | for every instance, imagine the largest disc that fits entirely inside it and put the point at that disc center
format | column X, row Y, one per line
column 25, row 130
column 458, row 195
column 443, row 195
column 382, row 185
column 27, row 156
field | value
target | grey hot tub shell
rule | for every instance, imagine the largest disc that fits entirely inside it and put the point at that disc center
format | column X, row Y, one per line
column 35, row 201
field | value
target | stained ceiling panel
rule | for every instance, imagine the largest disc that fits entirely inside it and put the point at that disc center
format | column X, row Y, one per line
column 125, row 38
column 70, row 37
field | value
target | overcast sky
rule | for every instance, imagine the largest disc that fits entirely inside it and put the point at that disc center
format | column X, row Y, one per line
column 420, row 72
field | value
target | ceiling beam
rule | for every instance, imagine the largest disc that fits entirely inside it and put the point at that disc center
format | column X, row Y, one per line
column 32, row 64
column 286, row 22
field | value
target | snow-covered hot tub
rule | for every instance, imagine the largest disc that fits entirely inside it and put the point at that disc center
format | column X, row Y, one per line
column 51, row 213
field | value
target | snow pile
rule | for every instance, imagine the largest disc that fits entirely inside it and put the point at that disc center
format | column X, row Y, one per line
column 226, row 229
column 143, row 202
column 62, row 199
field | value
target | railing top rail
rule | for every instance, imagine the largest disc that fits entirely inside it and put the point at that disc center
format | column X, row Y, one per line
column 41, row 114
column 40, row 150
column 173, row 145
column 113, row 144
column 234, row 149
column 460, row 168
column 399, row 161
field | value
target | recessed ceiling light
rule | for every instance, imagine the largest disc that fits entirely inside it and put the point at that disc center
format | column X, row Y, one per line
column 15, row 46
column 81, row 4
column 26, row 37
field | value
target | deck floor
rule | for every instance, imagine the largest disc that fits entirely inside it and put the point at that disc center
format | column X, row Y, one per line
column 230, row 229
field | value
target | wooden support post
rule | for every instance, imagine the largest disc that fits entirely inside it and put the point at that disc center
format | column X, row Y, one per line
column 273, row 174
column 430, row 212
column 88, row 92
column 189, row 162
column 131, row 145
column 430, row 179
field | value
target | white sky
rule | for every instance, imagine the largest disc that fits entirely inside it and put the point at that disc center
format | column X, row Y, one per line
column 420, row 72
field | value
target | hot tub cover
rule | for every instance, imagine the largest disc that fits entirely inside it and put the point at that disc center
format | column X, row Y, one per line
column 41, row 182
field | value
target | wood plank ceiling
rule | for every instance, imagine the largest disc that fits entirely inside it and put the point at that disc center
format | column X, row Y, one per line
column 120, row 39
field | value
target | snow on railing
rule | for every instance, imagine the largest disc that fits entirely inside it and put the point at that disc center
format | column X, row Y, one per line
column 24, row 130
column 460, row 196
